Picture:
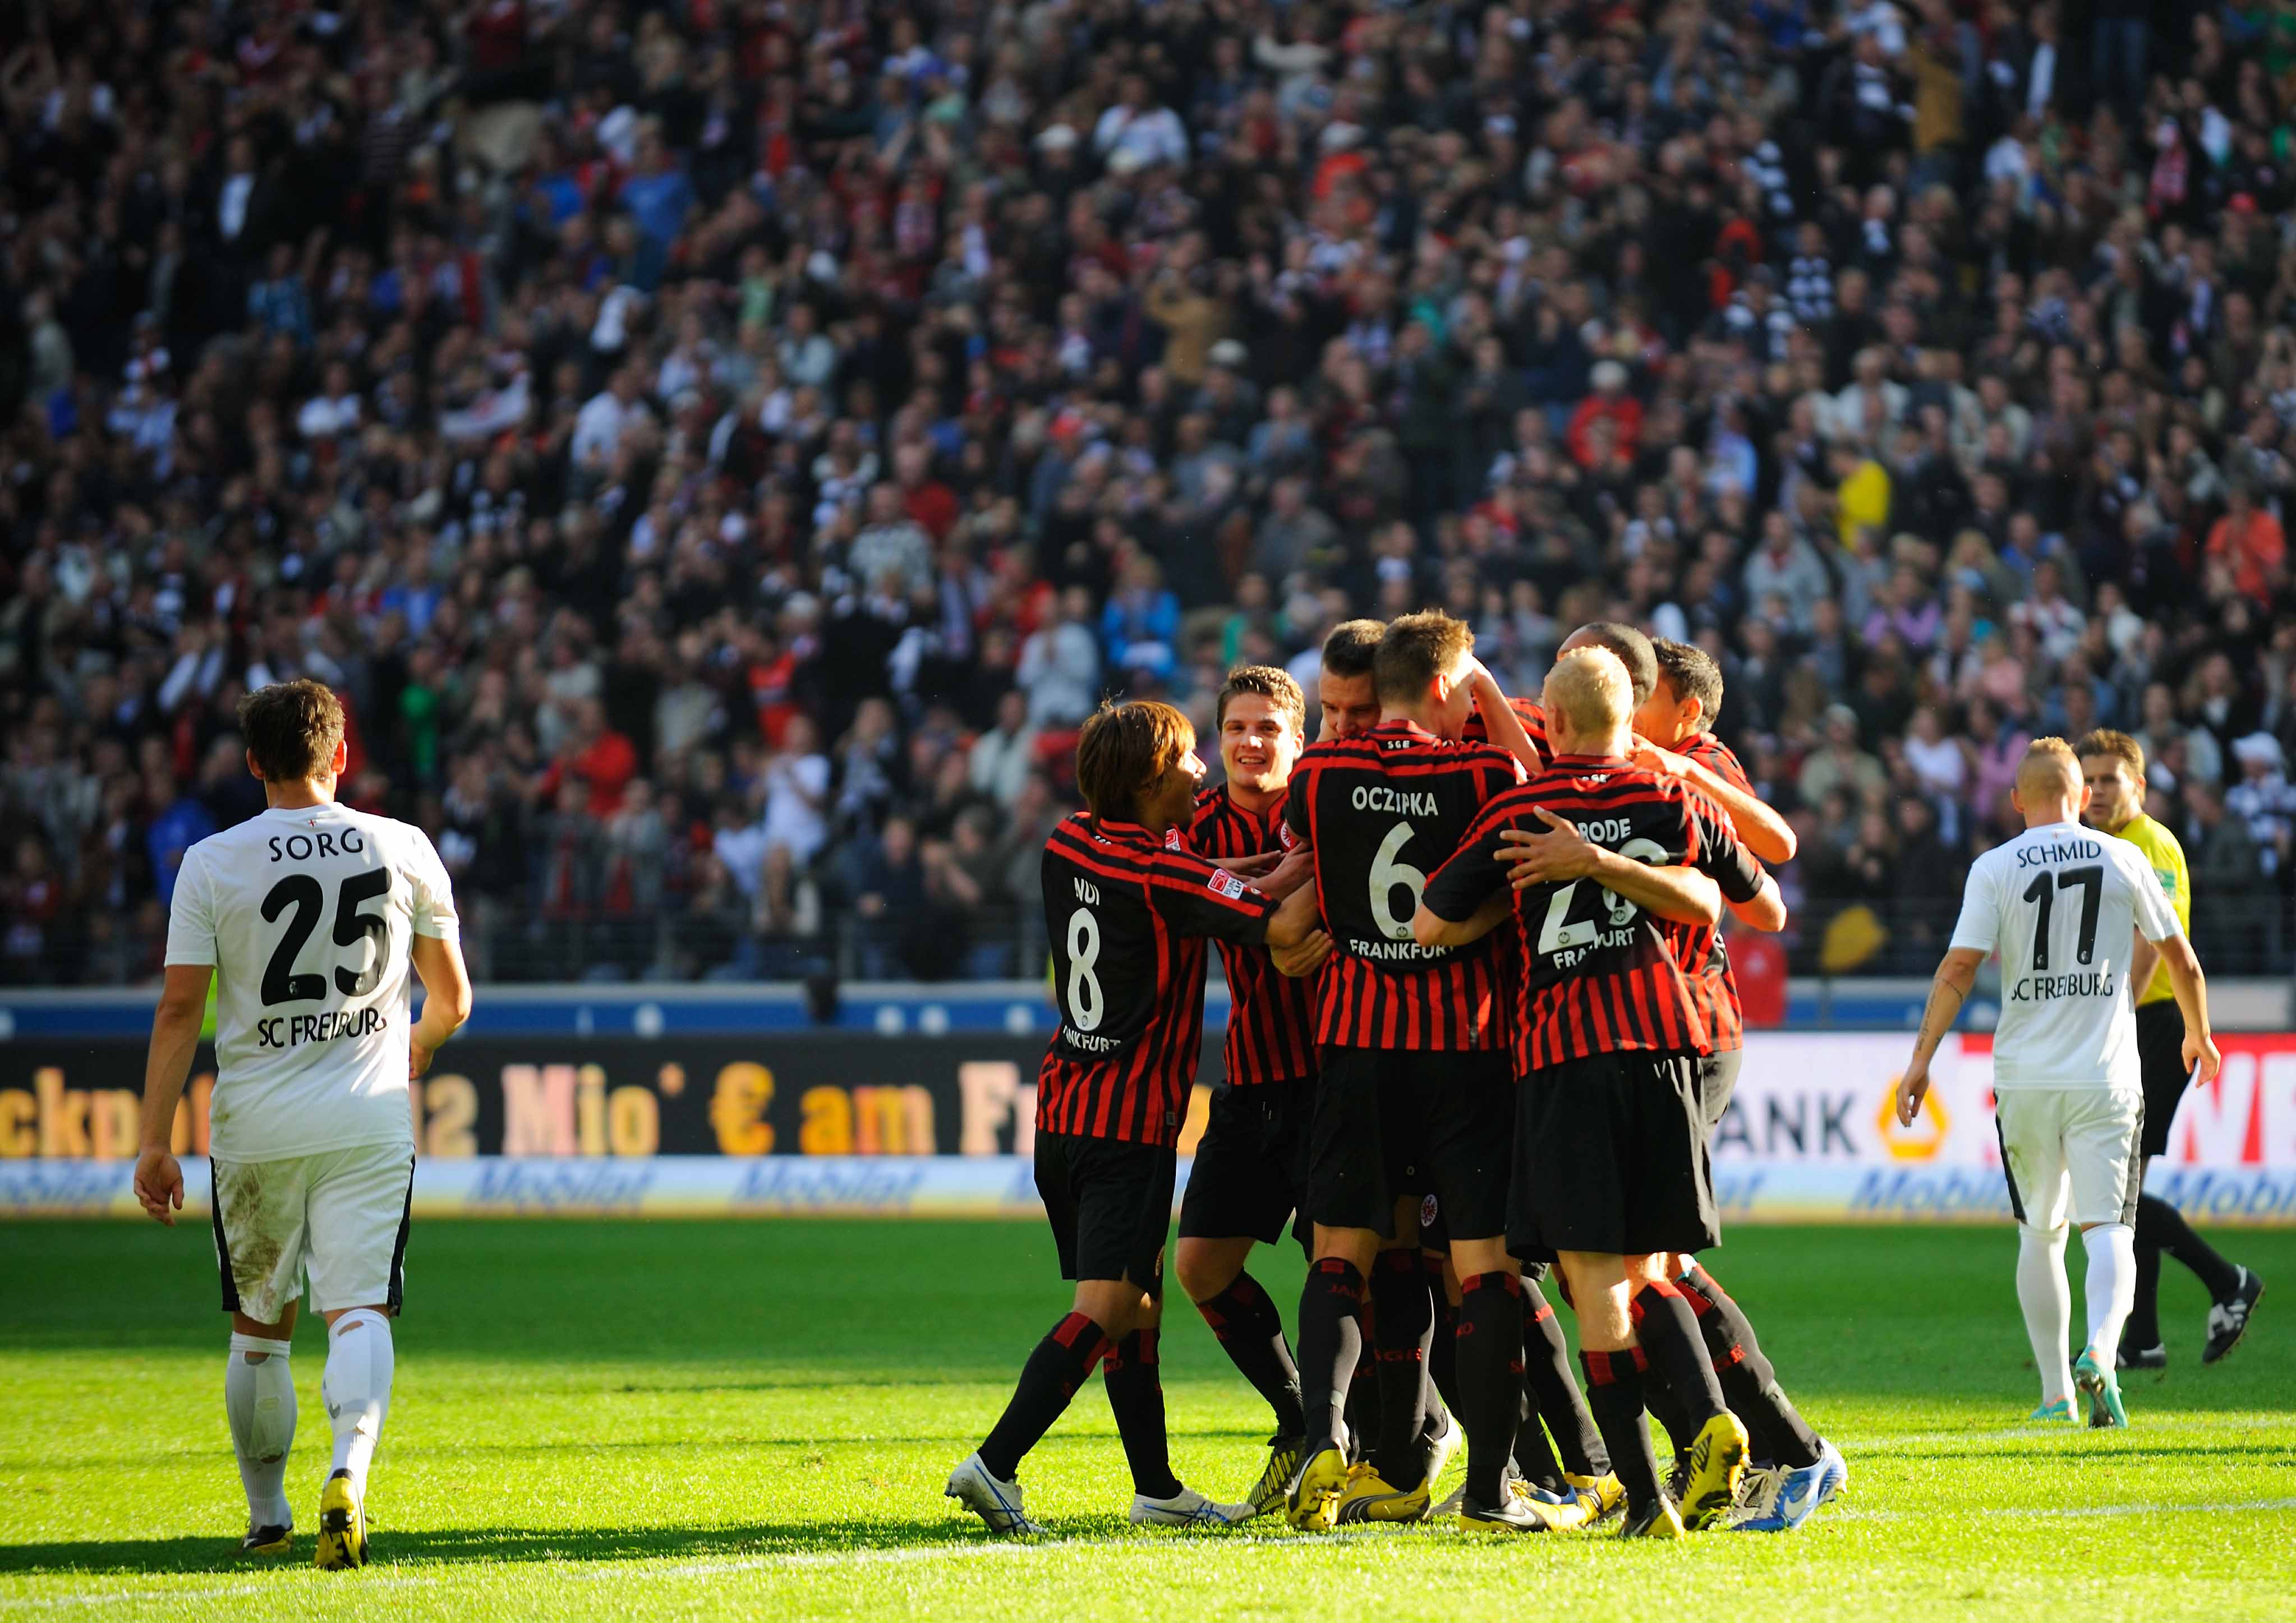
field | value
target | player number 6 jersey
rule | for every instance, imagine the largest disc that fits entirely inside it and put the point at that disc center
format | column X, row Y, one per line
column 309, row 917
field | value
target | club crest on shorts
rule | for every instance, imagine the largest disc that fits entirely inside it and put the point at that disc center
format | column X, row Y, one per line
column 1226, row 883
column 1428, row 1211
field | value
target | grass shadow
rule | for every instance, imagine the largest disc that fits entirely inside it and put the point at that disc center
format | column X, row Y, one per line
column 823, row 1541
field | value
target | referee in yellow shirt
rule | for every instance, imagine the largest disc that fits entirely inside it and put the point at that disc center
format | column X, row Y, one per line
column 2113, row 764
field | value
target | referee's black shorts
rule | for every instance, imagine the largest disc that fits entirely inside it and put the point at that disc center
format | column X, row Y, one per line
column 2160, row 1054
column 1111, row 1206
column 1391, row 1122
column 1249, row 1177
column 1609, row 1157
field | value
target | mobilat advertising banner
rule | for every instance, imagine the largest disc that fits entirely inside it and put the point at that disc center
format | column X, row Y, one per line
column 846, row 1124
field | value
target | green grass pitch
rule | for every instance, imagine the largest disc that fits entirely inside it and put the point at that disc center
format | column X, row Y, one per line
column 705, row 1419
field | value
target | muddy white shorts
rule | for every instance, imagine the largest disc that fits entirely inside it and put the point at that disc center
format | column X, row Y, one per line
column 339, row 1218
column 2070, row 1153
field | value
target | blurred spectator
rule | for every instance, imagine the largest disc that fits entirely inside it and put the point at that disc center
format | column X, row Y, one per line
column 1059, row 664
column 696, row 440
column 1005, row 754
column 1840, row 765
column 797, row 794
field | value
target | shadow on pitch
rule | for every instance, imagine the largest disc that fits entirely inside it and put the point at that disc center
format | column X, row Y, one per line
column 804, row 1544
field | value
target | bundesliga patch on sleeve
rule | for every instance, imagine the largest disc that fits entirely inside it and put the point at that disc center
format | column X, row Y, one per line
column 1226, row 883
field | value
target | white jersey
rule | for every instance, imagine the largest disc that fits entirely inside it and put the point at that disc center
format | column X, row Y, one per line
column 2060, row 904
column 308, row 915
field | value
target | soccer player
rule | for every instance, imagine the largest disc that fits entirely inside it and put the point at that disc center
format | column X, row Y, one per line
column 1348, row 702
column 2060, row 902
column 2114, row 765
column 306, row 919
column 1128, row 906
column 1610, row 1170
column 1249, row 1177
column 1346, row 698
column 1674, row 724
column 1413, row 1095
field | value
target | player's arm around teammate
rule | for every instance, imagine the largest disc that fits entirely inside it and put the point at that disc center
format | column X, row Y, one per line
column 1609, row 1173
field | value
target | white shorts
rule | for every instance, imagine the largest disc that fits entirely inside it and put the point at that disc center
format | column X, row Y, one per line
column 340, row 1217
column 2076, row 1143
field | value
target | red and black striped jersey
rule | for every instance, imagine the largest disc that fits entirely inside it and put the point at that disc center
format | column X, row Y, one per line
column 1599, row 974
column 1271, row 1019
column 1717, row 987
column 1718, row 758
column 1127, row 914
column 1528, row 711
column 1383, row 810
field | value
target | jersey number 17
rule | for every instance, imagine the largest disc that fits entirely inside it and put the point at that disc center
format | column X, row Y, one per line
column 2042, row 895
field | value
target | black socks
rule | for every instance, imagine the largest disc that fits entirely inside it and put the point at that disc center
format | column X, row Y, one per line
column 2161, row 1227
column 1251, row 1333
column 1443, row 1351
column 1330, row 1343
column 1060, row 1363
column 1749, row 1382
column 1135, row 1394
column 1614, row 1392
column 1669, row 1333
column 1490, row 1378
column 1554, row 1389
column 1402, row 1325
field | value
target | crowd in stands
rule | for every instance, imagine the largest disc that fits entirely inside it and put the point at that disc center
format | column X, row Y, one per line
column 720, row 449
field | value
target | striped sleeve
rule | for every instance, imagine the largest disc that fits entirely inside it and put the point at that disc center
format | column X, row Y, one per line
column 1201, row 898
column 1715, row 850
column 1298, row 802
column 1471, row 873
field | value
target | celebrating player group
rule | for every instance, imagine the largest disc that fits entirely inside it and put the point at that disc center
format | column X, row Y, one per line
column 1483, row 1028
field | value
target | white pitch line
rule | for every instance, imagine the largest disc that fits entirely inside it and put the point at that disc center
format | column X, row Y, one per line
column 2056, row 1511
column 910, row 1555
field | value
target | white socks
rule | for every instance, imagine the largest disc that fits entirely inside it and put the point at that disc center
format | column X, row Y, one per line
column 356, row 1387
column 2048, row 1304
column 258, row 1399
column 2112, row 1287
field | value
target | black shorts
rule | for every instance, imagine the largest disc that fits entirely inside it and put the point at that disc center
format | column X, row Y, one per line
column 1250, row 1173
column 1609, row 1157
column 1718, row 1079
column 2160, row 1054
column 1111, row 1205
column 1391, row 1123
column 1434, row 1231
